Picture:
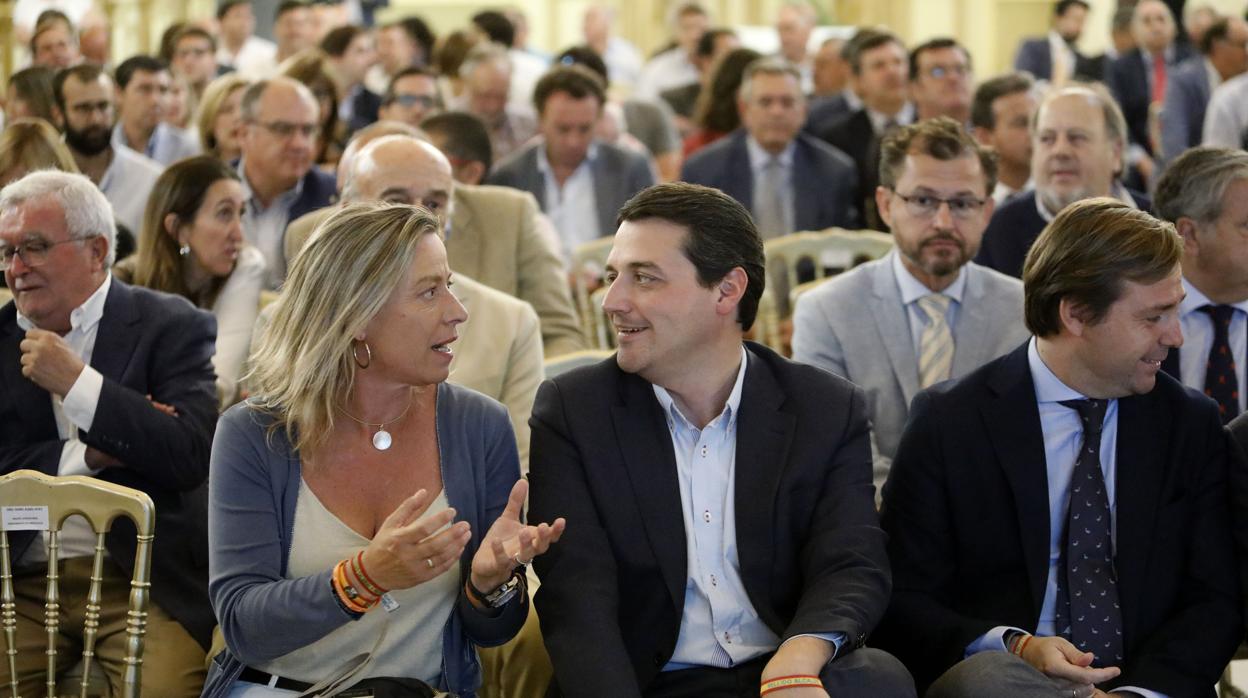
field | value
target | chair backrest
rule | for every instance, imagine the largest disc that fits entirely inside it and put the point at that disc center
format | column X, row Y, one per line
column 588, row 263
column 566, row 362
column 30, row 500
column 822, row 254
column 5, row 296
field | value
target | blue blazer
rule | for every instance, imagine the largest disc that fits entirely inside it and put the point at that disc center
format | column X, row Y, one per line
column 148, row 343
column 1128, row 79
column 824, row 179
column 1034, row 57
column 1183, row 114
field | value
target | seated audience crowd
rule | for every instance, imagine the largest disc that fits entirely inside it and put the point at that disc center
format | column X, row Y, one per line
column 346, row 297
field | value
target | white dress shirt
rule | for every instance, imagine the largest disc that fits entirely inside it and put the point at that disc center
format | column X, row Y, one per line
column 1227, row 114
column 236, row 308
column 257, row 59
column 1198, row 340
column 665, row 71
column 266, row 227
column 75, row 412
column 573, row 207
column 127, row 183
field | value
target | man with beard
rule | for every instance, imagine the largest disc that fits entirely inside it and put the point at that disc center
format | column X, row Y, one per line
column 934, row 314
column 1079, row 141
column 84, row 110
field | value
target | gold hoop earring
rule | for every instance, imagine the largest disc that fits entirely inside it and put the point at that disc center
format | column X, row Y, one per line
column 355, row 354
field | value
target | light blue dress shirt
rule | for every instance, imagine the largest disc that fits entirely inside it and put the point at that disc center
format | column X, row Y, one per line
column 572, row 207
column 912, row 290
column 1198, row 340
column 718, row 626
column 167, row 145
column 759, row 159
column 1063, row 435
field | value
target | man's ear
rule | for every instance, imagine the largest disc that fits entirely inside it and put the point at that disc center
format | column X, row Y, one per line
column 730, row 290
column 1189, row 232
column 1075, row 318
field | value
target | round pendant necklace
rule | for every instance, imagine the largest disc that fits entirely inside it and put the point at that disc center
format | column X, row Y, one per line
column 382, row 439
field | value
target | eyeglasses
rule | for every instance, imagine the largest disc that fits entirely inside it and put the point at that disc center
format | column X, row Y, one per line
column 285, row 129
column 410, row 101
column 926, row 205
column 942, row 71
column 33, row 253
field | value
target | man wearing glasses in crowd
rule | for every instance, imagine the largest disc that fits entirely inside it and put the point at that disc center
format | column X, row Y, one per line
column 277, row 166
column 934, row 314
column 411, row 96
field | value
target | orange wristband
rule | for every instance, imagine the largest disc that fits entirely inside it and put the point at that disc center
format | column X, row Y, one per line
column 795, row 681
column 1021, row 645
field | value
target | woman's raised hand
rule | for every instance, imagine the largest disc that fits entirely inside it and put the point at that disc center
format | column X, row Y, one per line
column 509, row 542
column 411, row 548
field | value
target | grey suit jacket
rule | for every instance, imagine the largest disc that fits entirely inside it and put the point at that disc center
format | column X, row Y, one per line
column 1183, row 114
column 618, row 175
column 855, row 326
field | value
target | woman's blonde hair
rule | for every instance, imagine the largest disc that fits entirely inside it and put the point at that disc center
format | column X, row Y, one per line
column 215, row 95
column 303, row 367
column 32, row 144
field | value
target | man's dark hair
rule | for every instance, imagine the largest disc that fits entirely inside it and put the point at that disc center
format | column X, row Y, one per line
column 417, row 30
column 196, row 32
column 941, row 138
column 935, row 45
column 496, row 26
column 706, row 44
column 224, row 7
column 993, row 89
column 134, row 64
column 1216, row 32
column 166, row 41
column 464, row 136
column 408, row 72
column 721, row 235
column 577, row 81
column 1061, row 7
column 83, row 72
column 1121, row 21
column 338, row 39
column 865, row 40
column 53, row 15
column 288, row 6
column 586, row 56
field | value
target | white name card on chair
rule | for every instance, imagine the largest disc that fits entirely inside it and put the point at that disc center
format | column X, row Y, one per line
column 30, row 518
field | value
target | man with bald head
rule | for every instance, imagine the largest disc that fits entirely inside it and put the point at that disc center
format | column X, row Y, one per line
column 277, row 166
column 492, row 233
column 1078, row 139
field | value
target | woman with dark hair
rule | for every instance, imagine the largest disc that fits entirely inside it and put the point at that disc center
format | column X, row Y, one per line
column 309, row 67
column 715, row 113
column 30, row 94
column 192, row 245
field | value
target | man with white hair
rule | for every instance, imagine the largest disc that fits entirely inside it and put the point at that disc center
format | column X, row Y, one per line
column 621, row 56
column 794, row 24
column 115, row 382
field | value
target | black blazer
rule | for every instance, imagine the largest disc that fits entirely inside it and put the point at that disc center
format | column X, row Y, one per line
column 811, row 552
column 824, row 179
column 1015, row 225
column 967, row 513
column 854, row 135
column 1127, row 76
column 147, row 343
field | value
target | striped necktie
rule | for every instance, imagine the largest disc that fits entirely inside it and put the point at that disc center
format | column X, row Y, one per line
column 936, row 342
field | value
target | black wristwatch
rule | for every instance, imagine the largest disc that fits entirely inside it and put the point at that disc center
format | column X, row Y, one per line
column 500, row 596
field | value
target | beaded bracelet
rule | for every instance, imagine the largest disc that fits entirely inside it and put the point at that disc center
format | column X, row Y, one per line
column 347, row 593
column 783, row 682
column 357, row 567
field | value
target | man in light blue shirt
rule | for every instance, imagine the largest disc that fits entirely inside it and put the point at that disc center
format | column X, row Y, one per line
column 729, row 536
column 143, row 92
column 1058, row 519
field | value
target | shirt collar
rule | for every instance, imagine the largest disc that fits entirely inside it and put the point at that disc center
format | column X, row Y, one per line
column 1118, row 191
column 1195, row 300
column 912, row 289
column 1215, row 78
column 879, row 119
column 1049, row 388
column 85, row 316
column 759, row 156
column 731, row 407
column 250, row 195
column 543, row 163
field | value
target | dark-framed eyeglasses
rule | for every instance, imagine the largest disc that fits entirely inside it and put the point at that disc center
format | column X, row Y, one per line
column 285, row 129
column 409, row 101
column 926, row 205
column 34, row 253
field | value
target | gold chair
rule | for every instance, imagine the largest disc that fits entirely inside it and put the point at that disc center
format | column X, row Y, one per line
column 1226, row 687
column 566, row 362
column 52, row 500
column 828, row 252
column 588, row 262
column 5, row 296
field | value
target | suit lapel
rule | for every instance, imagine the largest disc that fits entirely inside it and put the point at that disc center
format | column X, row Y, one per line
column 1013, row 420
column 808, row 191
column 740, row 185
column 463, row 251
column 1143, row 431
column 115, row 339
column 764, row 435
column 973, row 326
column 889, row 315
column 604, row 194
column 535, row 183
column 642, row 432
column 34, row 404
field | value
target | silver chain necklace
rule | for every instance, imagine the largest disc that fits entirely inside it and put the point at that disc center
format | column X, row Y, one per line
column 382, row 439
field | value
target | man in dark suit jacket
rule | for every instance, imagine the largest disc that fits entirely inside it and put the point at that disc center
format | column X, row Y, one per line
column 569, row 101
column 1078, row 143
column 1190, row 86
column 725, row 534
column 103, row 379
column 816, row 184
column 1060, row 515
column 1133, row 77
column 1036, row 55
